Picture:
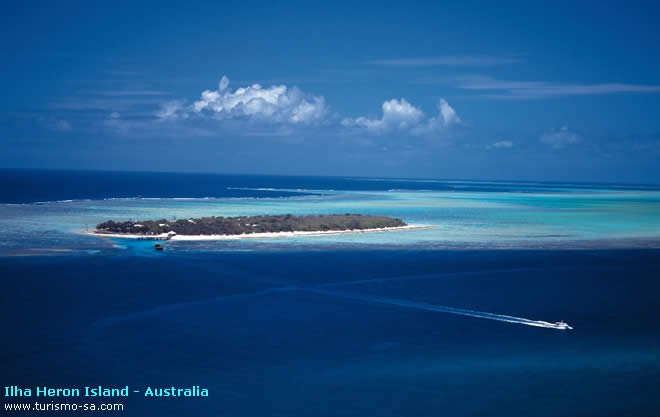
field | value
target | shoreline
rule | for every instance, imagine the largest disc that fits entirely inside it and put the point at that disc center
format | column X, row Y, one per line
column 267, row 235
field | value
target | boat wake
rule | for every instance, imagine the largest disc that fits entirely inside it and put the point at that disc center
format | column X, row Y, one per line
column 443, row 309
column 284, row 288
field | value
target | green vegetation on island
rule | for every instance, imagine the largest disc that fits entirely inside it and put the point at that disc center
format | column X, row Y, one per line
column 250, row 224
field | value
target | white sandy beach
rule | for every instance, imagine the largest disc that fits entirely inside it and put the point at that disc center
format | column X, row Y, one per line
column 258, row 235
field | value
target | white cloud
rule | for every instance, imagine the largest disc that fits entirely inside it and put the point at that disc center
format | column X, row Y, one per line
column 400, row 115
column 544, row 89
column 446, row 116
column 171, row 110
column 276, row 104
column 503, row 144
column 397, row 114
column 560, row 138
column 146, row 126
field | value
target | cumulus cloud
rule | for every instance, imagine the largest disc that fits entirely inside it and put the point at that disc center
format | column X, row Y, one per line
column 446, row 117
column 503, row 144
column 400, row 115
column 276, row 104
column 396, row 114
column 560, row 138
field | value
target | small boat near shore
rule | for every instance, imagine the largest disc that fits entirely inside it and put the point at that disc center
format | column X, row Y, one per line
column 158, row 246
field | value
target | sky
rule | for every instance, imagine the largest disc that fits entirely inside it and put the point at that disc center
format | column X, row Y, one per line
column 566, row 91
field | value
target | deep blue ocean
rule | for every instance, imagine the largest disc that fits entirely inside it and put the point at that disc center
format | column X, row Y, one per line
column 31, row 186
column 253, row 327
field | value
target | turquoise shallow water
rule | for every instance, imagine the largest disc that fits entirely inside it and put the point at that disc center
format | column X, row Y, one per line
column 559, row 218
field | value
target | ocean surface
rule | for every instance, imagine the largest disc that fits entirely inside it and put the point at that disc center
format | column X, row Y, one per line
column 434, row 322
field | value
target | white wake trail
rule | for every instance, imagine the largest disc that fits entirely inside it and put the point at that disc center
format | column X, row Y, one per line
column 442, row 309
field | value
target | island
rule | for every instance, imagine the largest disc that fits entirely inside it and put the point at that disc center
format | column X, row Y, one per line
column 265, row 226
